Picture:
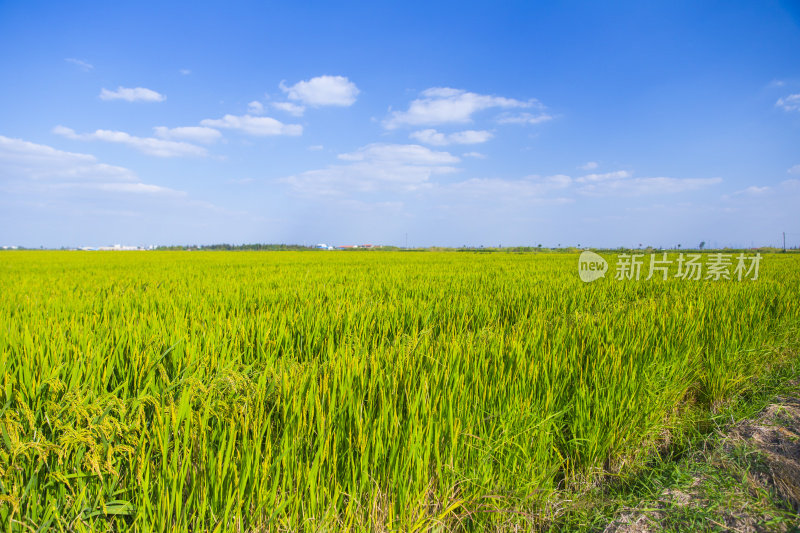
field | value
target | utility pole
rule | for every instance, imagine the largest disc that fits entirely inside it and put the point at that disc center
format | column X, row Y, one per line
column 784, row 242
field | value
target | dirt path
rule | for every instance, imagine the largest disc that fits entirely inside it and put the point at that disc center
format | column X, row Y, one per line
column 746, row 480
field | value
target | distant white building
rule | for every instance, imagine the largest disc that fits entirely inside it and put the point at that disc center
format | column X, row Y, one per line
column 118, row 247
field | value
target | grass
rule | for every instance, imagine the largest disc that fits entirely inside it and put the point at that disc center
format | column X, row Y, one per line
column 328, row 391
column 711, row 480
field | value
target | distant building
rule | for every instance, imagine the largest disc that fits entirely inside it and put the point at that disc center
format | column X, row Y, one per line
column 359, row 246
column 117, row 247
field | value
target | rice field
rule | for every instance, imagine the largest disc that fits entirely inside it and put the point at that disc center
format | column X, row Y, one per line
column 308, row 391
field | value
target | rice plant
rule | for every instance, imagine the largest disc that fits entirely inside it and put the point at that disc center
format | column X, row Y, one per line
column 238, row 391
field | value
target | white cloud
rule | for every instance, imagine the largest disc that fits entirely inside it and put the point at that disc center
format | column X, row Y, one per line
column 645, row 186
column 526, row 188
column 185, row 71
column 83, row 65
column 443, row 105
column 47, row 168
column 591, row 165
column 523, row 118
column 134, row 188
column 323, row 91
column 433, row 137
column 199, row 134
column 593, row 178
column 393, row 167
column 255, row 107
column 403, row 168
column 137, row 188
column 147, row 145
column 789, row 103
column 38, row 161
column 315, row 147
column 412, row 154
column 475, row 155
column 753, row 190
column 137, row 94
column 289, row 107
column 259, row 126
column 794, row 170
column 618, row 183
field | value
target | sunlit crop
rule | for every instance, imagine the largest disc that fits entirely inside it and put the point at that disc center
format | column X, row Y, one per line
column 349, row 391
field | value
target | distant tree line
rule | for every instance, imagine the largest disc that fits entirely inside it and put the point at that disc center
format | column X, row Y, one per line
column 479, row 249
column 240, row 247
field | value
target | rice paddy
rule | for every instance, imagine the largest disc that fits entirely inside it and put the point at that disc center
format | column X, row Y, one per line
column 286, row 391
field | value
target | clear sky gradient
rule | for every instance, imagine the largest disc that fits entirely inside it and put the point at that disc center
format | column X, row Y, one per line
column 454, row 123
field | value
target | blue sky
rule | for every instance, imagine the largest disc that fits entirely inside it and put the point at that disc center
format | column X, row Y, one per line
column 454, row 123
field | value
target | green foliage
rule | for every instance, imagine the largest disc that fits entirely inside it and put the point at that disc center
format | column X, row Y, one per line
column 239, row 247
column 221, row 391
